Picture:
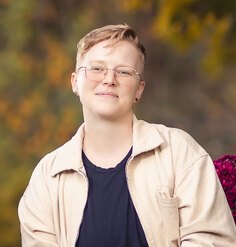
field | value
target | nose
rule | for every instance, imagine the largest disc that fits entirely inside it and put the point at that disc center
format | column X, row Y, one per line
column 110, row 77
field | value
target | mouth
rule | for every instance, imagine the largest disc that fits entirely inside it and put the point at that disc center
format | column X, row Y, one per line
column 107, row 94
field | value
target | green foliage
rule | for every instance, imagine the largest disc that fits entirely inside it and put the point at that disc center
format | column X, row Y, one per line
column 191, row 65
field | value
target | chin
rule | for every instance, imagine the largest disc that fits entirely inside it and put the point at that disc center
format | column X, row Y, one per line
column 107, row 116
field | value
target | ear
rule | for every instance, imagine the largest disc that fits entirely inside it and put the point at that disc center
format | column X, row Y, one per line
column 74, row 86
column 139, row 91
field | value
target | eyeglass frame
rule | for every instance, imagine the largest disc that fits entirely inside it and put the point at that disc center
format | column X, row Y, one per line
column 106, row 70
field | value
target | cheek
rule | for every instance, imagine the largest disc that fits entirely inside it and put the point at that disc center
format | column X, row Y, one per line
column 130, row 91
column 84, row 86
column 81, row 81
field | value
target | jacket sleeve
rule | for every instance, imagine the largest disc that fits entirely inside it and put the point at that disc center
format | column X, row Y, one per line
column 35, row 213
column 204, row 215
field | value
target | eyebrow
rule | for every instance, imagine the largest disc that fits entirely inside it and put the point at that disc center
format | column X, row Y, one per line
column 104, row 63
column 97, row 61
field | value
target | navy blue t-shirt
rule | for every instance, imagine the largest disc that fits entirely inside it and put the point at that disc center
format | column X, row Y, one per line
column 110, row 219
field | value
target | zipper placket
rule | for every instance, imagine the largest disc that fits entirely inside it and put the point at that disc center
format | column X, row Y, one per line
column 146, row 232
column 86, row 194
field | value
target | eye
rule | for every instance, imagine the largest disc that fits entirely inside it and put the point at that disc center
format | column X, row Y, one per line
column 96, row 68
column 124, row 72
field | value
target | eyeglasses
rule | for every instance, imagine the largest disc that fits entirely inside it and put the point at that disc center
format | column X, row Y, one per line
column 98, row 73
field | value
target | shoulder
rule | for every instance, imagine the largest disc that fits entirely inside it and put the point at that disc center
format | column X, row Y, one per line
column 45, row 165
column 169, row 135
column 176, row 136
column 175, row 142
column 65, row 157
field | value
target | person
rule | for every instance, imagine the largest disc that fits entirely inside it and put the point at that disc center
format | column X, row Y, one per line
column 120, row 181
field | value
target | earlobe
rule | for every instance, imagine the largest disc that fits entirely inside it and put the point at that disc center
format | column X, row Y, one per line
column 139, row 91
column 74, row 83
column 75, row 91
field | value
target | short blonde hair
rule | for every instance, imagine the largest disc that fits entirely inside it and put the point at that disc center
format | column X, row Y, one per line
column 115, row 33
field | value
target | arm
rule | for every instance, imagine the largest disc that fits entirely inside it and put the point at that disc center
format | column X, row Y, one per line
column 35, row 213
column 205, row 217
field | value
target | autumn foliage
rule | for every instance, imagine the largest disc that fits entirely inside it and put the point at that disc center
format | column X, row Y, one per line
column 191, row 48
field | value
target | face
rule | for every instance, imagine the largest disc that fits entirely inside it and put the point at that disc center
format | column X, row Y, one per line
column 113, row 96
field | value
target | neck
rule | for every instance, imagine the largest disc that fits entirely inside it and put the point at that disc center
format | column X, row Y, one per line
column 106, row 142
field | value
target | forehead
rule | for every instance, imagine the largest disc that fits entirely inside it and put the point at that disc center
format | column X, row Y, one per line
column 122, row 52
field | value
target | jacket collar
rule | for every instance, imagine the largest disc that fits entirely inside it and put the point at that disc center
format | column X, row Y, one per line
column 68, row 156
column 146, row 137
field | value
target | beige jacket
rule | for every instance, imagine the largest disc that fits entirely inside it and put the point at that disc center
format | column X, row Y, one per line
column 171, row 179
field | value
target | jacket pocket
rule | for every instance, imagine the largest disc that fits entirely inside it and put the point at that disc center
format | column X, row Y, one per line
column 169, row 215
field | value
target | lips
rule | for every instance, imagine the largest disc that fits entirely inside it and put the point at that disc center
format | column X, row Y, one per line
column 107, row 94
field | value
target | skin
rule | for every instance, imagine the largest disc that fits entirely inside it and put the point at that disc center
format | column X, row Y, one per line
column 108, row 105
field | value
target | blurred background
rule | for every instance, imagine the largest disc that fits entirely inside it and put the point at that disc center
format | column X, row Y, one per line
column 191, row 71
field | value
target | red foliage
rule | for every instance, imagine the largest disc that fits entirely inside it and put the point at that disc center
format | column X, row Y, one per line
column 226, row 170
